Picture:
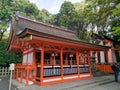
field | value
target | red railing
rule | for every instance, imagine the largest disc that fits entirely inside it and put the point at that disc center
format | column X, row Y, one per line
column 22, row 71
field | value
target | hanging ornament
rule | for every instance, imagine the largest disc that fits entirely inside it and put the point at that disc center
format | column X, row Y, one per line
column 71, row 55
column 53, row 54
column 56, row 54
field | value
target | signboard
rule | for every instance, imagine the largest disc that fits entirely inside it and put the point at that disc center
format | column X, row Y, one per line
column 12, row 66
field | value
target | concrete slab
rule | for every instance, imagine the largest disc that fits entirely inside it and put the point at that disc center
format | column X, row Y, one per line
column 24, row 81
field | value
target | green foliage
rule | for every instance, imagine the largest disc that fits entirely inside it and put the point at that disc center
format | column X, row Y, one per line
column 99, row 13
column 44, row 16
column 116, row 22
column 7, row 7
column 26, row 8
column 66, row 12
column 71, row 17
column 5, row 15
column 8, row 57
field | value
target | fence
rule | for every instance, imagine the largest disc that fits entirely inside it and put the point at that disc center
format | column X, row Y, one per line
column 4, row 71
column 104, row 68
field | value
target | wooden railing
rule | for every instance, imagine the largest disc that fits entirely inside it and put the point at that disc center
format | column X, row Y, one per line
column 4, row 71
column 84, row 69
column 104, row 68
column 23, row 71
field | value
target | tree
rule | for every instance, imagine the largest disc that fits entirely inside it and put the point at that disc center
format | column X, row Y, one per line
column 7, row 57
column 115, row 24
column 71, row 17
column 62, row 19
column 7, row 7
column 79, row 21
column 44, row 16
column 5, row 15
column 98, row 14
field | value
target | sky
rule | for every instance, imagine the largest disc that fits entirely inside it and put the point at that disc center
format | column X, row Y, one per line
column 52, row 6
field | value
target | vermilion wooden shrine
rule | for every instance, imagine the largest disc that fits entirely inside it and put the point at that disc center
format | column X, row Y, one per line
column 50, row 54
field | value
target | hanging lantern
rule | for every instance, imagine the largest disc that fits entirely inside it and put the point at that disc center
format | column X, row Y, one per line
column 53, row 54
column 56, row 54
column 71, row 55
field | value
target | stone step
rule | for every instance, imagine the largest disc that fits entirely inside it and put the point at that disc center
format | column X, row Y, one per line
column 97, row 72
column 87, row 84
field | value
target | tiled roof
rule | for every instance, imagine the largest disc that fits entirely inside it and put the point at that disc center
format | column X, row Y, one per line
column 21, row 23
column 21, row 26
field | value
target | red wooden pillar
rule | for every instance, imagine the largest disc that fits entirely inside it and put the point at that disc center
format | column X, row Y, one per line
column 61, row 63
column 17, row 74
column 42, row 66
column 77, row 60
column 34, row 64
column 84, row 58
column 21, row 75
column 27, row 75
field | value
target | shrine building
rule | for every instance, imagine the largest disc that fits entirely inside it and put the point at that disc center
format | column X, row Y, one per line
column 50, row 54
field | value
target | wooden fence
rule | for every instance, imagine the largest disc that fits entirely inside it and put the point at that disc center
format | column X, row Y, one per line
column 4, row 71
column 104, row 68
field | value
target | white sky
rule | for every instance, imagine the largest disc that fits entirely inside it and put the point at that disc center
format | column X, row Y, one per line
column 52, row 6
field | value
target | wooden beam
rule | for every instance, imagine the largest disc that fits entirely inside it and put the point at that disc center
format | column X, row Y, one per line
column 76, row 44
column 16, row 47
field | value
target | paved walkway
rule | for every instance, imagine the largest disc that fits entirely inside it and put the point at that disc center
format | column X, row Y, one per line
column 4, row 84
column 96, row 83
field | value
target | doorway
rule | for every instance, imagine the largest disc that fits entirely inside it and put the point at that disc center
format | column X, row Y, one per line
column 38, row 59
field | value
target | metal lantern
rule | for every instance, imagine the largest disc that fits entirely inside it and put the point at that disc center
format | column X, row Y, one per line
column 56, row 54
column 53, row 54
column 71, row 55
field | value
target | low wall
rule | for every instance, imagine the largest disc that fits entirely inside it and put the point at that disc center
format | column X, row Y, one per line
column 104, row 68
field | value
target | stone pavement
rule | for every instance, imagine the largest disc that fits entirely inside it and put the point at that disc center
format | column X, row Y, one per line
column 95, row 83
column 4, row 83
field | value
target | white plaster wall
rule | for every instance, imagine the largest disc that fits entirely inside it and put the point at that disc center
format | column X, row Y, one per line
column 24, row 59
column 30, row 58
column 102, row 54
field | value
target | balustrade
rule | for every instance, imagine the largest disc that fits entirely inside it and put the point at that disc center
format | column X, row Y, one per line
column 70, row 70
column 52, row 71
column 84, row 69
